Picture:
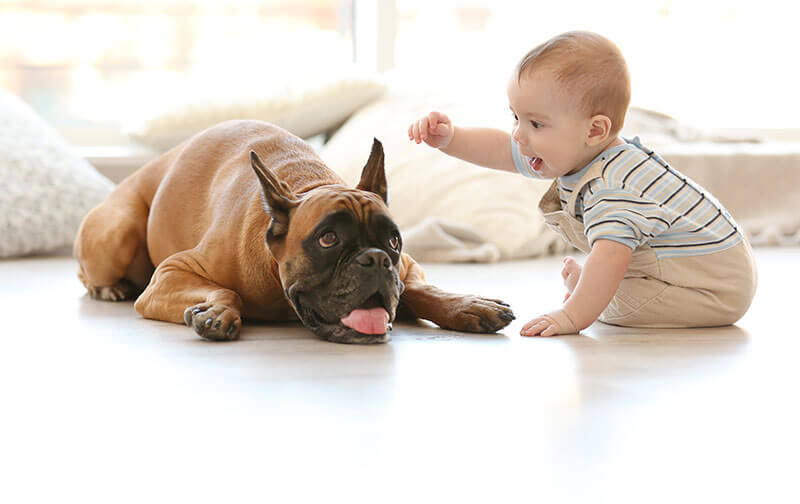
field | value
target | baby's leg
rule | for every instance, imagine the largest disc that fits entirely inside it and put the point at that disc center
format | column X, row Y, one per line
column 649, row 302
column 571, row 273
column 696, row 291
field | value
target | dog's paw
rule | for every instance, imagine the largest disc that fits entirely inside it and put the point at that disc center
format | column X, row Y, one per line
column 120, row 291
column 477, row 314
column 213, row 322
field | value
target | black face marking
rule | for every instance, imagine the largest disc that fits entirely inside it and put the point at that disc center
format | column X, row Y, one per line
column 352, row 236
column 341, row 223
column 340, row 277
column 385, row 232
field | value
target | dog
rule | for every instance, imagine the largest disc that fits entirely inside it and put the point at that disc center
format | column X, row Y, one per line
column 244, row 220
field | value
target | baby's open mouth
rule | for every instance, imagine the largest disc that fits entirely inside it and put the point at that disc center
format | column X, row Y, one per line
column 535, row 163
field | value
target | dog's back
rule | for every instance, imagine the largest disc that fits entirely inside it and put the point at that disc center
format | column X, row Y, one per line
column 188, row 206
column 203, row 192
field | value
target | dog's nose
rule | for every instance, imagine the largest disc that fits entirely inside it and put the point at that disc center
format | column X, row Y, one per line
column 374, row 258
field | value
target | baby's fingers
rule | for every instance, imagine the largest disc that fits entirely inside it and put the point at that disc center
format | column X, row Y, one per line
column 441, row 129
column 424, row 124
column 415, row 132
column 534, row 327
column 551, row 330
column 434, row 119
column 531, row 324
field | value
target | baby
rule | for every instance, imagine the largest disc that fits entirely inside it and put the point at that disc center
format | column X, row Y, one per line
column 662, row 252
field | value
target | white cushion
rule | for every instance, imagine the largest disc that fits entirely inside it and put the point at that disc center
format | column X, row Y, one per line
column 307, row 103
column 45, row 188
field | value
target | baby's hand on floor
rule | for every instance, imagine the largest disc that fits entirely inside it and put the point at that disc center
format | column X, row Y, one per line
column 549, row 324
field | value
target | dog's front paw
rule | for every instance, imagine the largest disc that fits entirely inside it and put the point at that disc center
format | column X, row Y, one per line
column 477, row 314
column 213, row 322
column 123, row 290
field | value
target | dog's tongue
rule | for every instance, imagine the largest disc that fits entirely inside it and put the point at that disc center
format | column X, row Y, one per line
column 372, row 321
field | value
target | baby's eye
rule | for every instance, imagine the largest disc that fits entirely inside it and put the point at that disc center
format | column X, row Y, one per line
column 536, row 125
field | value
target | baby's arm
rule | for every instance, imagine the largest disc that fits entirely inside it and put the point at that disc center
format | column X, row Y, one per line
column 486, row 147
column 603, row 272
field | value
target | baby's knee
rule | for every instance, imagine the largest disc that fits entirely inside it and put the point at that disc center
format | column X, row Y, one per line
column 675, row 307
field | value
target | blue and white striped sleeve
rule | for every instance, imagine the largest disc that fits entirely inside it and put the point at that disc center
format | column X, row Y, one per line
column 623, row 217
column 521, row 162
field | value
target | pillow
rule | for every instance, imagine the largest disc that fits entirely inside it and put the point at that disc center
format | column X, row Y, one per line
column 448, row 210
column 45, row 188
column 300, row 101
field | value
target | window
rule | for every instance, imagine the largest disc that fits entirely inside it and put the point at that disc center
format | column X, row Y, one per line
column 85, row 65
column 709, row 63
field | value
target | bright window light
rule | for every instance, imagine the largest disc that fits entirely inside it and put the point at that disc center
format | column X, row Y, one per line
column 90, row 63
column 725, row 63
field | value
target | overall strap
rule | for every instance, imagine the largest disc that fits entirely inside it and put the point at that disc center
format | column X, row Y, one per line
column 594, row 171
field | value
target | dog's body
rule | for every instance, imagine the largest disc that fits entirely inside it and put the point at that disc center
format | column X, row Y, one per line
column 332, row 254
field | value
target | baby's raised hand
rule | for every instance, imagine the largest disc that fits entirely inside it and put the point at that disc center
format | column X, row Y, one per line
column 549, row 324
column 435, row 129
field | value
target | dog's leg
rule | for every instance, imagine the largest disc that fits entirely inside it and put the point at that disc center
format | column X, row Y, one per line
column 450, row 311
column 111, row 248
column 179, row 293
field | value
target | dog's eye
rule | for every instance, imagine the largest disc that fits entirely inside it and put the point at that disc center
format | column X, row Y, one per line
column 394, row 242
column 328, row 240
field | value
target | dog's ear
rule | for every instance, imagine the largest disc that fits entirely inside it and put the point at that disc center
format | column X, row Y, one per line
column 373, row 176
column 279, row 199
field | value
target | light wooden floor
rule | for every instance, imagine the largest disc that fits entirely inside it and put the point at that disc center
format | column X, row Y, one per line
column 101, row 406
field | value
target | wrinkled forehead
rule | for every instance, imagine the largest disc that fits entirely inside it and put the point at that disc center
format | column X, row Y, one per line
column 362, row 204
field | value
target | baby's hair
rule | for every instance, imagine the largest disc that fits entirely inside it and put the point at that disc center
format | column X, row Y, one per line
column 589, row 66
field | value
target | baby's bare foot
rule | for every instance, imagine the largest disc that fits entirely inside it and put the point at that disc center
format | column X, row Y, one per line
column 571, row 273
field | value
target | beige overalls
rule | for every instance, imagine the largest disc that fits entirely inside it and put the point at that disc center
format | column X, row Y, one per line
column 711, row 289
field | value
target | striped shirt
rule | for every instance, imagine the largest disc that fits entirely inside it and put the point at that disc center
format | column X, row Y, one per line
column 639, row 199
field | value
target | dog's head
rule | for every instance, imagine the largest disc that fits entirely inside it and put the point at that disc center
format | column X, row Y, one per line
column 338, row 252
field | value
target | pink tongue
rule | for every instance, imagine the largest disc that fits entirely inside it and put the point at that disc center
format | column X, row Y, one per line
column 372, row 321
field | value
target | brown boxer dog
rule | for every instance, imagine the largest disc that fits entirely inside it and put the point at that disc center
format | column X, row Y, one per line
column 245, row 220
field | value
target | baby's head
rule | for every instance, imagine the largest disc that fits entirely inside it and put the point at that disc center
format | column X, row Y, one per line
column 570, row 93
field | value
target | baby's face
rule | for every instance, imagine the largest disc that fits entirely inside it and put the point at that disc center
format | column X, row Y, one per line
column 548, row 126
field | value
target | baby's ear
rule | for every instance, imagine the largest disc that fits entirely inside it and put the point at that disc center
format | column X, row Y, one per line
column 599, row 130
